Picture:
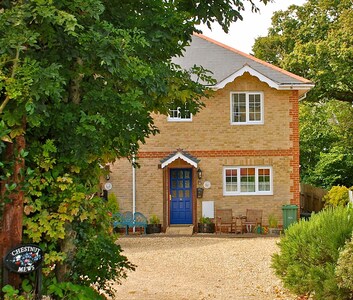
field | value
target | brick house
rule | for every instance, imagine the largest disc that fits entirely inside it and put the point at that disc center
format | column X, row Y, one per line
column 245, row 142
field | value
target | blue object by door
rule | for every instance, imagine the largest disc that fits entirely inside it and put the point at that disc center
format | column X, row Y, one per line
column 180, row 196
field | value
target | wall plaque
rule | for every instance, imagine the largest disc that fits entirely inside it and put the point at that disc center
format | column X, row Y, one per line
column 24, row 259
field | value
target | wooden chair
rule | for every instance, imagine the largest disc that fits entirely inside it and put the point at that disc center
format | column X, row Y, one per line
column 224, row 219
column 253, row 218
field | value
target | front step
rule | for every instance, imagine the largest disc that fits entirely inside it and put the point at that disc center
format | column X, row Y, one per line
column 180, row 230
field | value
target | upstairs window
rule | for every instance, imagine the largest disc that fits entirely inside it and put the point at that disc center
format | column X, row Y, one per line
column 180, row 114
column 247, row 181
column 246, row 108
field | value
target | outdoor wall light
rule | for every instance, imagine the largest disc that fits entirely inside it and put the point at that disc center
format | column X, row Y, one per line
column 199, row 173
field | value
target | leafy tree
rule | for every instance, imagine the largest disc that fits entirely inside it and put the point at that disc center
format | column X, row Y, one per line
column 78, row 83
column 315, row 40
column 326, row 143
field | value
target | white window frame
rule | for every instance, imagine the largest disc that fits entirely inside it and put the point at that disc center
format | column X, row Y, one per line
column 238, row 183
column 179, row 118
column 248, row 121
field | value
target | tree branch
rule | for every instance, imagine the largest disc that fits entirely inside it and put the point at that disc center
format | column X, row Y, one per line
column 14, row 67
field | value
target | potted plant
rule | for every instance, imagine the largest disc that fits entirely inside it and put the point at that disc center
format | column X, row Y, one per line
column 154, row 225
column 205, row 225
column 273, row 224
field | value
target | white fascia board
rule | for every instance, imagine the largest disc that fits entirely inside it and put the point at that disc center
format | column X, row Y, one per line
column 241, row 72
column 181, row 156
column 263, row 78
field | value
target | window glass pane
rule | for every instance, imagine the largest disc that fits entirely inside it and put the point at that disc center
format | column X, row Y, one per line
column 174, row 184
column 180, row 184
column 254, row 107
column 180, row 194
column 247, row 180
column 231, row 180
column 264, row 180
column 187, row 184
column 187, row 193
column 180, row 113
column 174, row 194
column 239, row 108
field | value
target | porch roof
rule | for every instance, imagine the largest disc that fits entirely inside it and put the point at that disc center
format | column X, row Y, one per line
column 185, row 156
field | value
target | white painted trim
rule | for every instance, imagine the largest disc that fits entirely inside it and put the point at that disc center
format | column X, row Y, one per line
column 181, row 156
column 238, row 193
column 247, row 93
column 263, row 78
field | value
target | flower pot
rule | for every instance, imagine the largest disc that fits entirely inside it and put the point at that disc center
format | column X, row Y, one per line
column 276, row 231
column 154, row 228
column 206, row 228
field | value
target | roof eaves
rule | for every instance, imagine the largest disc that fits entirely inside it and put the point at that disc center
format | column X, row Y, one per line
column 240, row 72
column 185, row 156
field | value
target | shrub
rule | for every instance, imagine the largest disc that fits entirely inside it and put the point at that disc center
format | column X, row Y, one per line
column 103, row 266
column 205, row 220
column 344, row 269
column 337, row 196
column 154, row 220
column 309, row 252
column 272, row 221
column 113, row 204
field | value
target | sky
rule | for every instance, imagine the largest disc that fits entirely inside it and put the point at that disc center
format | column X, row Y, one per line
column 242, row 34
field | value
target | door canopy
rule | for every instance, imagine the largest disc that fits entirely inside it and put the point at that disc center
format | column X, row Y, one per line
column 185, row 156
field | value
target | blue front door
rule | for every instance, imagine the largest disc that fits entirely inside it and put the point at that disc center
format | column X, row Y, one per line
column 180, row 196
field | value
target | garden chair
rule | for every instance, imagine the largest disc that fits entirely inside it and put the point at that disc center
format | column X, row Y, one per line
column 224, row 219
column 253, row 218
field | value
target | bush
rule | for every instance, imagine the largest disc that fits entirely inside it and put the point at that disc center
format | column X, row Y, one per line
column 344, row 269
column 309, row 252
column 205, row 220
column 154, row 220
column 99, row 263
column 337, row 196
column 113, row 204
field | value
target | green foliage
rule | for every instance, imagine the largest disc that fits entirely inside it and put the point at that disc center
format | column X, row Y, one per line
column 337, row 196
column 154, row 219
column 113, row 205
column 309, row 252
column 344, row 269
column 104, row 265
column 205, row 220
column 80, row 81
column 326, row 143
column 71, row 291
column 315, row 41
column 10, row 293
column 272, row 221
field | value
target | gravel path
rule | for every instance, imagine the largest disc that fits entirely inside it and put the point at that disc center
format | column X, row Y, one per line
column 200, row 268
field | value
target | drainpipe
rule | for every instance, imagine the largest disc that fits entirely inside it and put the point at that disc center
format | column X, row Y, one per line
column 133, row 188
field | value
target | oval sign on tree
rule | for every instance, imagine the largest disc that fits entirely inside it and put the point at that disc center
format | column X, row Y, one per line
column 24, row 259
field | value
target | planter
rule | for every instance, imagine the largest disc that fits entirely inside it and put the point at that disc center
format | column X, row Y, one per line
column 154, row 228
column 276, row 231
column 206, row 228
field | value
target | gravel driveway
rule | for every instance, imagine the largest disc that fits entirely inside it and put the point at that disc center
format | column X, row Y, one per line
column 200, row 268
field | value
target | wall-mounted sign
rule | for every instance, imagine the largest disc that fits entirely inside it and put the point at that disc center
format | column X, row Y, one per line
column 24, row 259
